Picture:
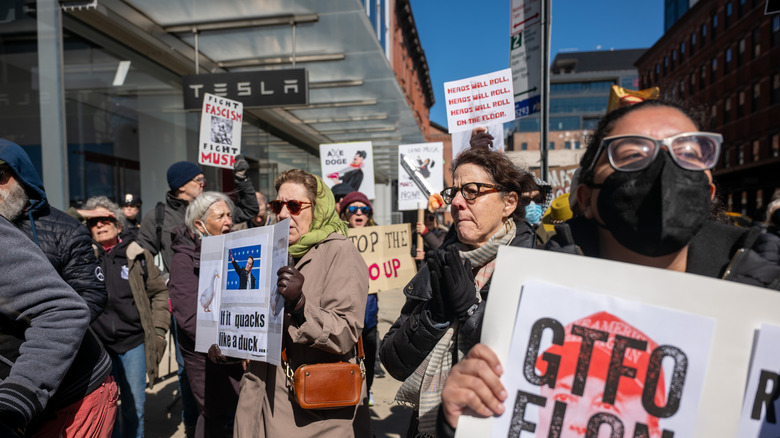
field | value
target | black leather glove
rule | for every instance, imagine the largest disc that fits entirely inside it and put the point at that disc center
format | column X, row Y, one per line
column 461, row 294
column 436, row 305
column 290, row 286
column 240, row 167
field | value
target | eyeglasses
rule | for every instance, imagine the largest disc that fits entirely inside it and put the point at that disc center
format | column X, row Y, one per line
column 352, row 209
column 690, row 150
column 199, row 179
column 293, row 206
column 430, row 218
column 470, row 191
column 105, row 220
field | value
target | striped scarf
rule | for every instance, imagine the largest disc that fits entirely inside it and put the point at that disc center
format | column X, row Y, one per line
column 422, row 389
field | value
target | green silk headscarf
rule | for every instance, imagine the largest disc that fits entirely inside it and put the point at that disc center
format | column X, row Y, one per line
column 325, row 222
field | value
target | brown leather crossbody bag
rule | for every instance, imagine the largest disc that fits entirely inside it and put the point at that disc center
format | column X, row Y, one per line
column 327, row 385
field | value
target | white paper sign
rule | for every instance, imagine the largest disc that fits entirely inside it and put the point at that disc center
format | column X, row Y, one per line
column 479, row 100
column 739, row 310
column 420, row 171
column 461, row 139
column 220, row 131
column 239, row 308
column 349, row 163
column 761, row 408
column 601, row 362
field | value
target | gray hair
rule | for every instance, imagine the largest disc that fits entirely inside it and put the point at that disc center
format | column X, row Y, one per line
column 199, row 209
column 102, row 201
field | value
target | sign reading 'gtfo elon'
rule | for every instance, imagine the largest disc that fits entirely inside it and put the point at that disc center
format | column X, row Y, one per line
column 254, row 89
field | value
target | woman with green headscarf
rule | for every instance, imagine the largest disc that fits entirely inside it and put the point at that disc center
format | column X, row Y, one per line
column 325, row 300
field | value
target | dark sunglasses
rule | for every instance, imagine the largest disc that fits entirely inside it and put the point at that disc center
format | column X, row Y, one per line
column 430, row 218
column 293, row 206
column 4, row 171
column 93, row 221
column 354, row 209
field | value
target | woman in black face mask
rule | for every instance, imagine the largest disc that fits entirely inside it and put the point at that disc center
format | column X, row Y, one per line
column 645, row 198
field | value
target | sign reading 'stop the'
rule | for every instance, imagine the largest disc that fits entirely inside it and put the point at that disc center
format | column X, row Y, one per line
column 253, row 89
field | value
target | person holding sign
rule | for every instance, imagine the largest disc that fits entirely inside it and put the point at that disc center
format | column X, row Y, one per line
column 445, row 301
column 214, row 386
column 325, row 290
column 245, row 278
column 645, row 197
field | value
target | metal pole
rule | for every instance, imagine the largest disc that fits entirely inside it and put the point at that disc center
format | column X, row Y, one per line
column 293, row 44
column 197, row 51
column 52, row 103
column 545, row 116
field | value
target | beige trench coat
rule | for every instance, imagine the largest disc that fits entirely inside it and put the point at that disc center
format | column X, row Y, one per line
column 335, row 286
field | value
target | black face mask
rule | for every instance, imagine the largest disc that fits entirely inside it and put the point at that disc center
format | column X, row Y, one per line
column 655, row 211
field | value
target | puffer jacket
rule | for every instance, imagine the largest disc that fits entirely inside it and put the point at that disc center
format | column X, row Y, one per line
column 414, row 334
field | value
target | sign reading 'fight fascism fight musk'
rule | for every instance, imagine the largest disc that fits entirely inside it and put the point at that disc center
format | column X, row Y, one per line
column 220, row 131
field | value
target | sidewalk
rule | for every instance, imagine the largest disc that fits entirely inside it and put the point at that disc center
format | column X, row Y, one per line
column 388, row 419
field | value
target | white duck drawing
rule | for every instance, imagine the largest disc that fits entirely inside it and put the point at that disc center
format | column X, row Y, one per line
column 207, row 296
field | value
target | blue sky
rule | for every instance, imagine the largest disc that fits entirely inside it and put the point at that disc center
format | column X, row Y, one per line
column 467, row 38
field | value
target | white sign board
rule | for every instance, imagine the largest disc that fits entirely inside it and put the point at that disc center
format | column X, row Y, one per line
column 220, row 131
column 461, row 139
column 349, row 163
column 525, row 60
column 239, row 308
column 525, row 13
column 738, row 310
column 420, row 171
column 761, row 408
column 602, row 362
column 479, row 100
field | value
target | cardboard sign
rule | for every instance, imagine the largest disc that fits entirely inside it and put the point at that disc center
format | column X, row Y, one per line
column 239, row 308
column 479, row 100
column 761, row 408
column 461, row 139
column 387, row 250
column 420, row 173
column 349, row 163
column 602, row 362
column 738, row 311
column 220, row 131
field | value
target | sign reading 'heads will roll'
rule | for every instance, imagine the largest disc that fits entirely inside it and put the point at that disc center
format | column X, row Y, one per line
column 479, row 100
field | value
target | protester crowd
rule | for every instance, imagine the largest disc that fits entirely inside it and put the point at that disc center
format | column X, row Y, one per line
column 86, row 332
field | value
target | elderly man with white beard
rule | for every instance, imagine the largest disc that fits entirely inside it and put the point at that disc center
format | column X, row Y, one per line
column 68, row 247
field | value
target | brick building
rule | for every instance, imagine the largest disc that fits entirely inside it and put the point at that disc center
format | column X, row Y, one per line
column 722, row 57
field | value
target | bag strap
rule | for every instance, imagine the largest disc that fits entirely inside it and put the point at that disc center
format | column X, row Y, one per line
column 159, row 218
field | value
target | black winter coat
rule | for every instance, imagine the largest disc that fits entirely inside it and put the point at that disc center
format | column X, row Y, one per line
column 413, row 335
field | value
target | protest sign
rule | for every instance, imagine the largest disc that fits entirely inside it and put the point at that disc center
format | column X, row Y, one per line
column 387, row 251
column 460, row 139
column 559, row 178
column 479, row 100
column 525, row 56
column 761, row 407
column 738, row 310
column 220, row 131
column 239, row 308
column 601, row 359
column 349, row 163
column 420, row 173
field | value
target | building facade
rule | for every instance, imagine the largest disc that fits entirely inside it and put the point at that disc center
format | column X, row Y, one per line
column 721, row 57
column 94, row 91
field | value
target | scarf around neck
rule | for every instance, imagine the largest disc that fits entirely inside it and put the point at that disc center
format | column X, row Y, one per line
column 324, row 222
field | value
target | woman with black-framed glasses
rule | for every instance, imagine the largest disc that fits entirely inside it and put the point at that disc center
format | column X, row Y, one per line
column 645, row 196
column 324, row 289
column 442, row 316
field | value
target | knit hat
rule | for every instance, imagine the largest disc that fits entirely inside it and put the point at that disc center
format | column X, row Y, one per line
column 181, row 173
column 353, row 197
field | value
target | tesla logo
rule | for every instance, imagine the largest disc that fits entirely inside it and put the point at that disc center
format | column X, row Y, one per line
column 253, row 89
